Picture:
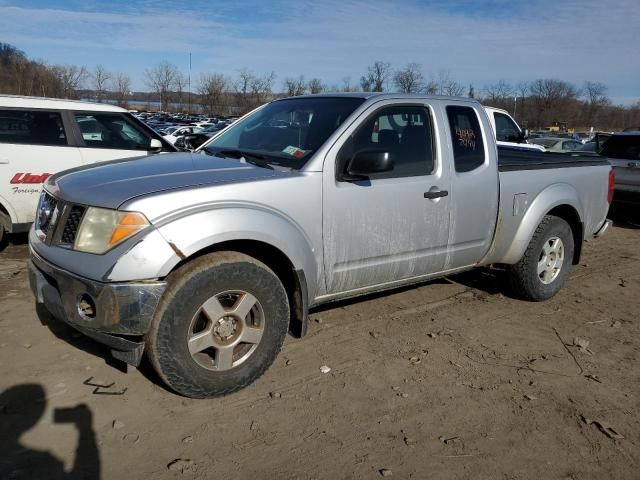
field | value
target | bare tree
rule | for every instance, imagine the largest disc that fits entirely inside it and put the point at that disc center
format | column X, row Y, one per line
column 122, row 87
column 498, row 92
column 445, row 85
column 596, row 97
column 211, row 90
column 71, row 78
column 179, row 84
column 100, row 79
column 376, row 77
column 550, row 96
column 161, row 79
column 315, row 85
column 432, row 87
column 262, row 88
column 346, row 84
column 522, row 92
column 410, row 79
column 294, row 87
column 241, row 87
column 251, row 90
column 522, row 89
column 21, row 76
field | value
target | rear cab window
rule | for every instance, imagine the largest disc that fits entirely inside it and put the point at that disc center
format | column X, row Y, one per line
column 466, row 137
column 32, row 127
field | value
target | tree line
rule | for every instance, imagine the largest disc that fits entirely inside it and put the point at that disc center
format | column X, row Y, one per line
column 535, row 104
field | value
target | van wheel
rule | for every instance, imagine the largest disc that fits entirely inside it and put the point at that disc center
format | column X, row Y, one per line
column 5, row 222
column 220, row 325
column 543, row 269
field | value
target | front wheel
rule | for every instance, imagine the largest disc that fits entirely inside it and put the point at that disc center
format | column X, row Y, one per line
column 220, row 325
column 5, row 223
column 543, row 269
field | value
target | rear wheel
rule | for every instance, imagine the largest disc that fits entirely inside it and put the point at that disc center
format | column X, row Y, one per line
column 220, row 325
column 543, row 269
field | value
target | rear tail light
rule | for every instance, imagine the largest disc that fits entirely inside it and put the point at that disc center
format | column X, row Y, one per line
column 612, row 185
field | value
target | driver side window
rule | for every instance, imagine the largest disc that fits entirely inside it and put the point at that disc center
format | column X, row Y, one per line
column 405, row 132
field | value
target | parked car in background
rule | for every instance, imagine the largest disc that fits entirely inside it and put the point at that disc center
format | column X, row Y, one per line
column 555, row 144
column 180, row 131
column 591, row 147
column 206, row 260
column 623, row 151
column 508, row 132
column 40, row 137
column 191, row 141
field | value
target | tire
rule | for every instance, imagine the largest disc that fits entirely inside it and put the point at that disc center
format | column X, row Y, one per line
column 189, row 318
column 525, row 279
column 5, row 223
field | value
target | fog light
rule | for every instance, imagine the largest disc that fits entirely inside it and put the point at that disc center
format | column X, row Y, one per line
column 86, row 306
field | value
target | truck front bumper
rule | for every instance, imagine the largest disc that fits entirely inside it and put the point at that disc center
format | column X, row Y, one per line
column 106, row 312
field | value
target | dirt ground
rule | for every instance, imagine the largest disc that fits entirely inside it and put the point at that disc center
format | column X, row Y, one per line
column 450, row 380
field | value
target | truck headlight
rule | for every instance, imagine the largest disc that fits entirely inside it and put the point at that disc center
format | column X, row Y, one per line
column 102, row 229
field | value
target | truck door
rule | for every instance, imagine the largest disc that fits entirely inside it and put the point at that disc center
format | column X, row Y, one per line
column 393, row 225
column 33, row 145
column 474, row 185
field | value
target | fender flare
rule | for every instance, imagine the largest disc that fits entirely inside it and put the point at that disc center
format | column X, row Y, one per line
column 556, row 195
column 197, row 231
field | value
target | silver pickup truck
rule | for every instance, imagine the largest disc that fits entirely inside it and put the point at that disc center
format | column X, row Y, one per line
column 206, row 260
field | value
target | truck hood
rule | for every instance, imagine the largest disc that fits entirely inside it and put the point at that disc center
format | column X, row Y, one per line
column 110, row 184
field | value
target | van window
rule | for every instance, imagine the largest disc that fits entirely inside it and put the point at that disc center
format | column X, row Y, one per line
column 108, row 130
column 466, row 136
column 31, row 127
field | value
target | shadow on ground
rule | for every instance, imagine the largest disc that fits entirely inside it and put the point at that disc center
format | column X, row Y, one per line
column 21, row 408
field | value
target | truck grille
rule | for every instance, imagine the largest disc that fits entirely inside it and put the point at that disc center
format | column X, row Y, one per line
column 55, row 215
column 72, row 224
column 47, row 214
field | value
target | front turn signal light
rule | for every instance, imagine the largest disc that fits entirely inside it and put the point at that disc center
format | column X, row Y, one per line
column 130, row 224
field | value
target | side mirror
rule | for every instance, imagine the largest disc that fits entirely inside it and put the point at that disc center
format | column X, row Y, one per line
column 368, row 162
column 155, row 145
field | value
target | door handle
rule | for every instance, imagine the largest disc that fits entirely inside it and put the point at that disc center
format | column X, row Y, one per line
column 436, row 194
column 4, row 161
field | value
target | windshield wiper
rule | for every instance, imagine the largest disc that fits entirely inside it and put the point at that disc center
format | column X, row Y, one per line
column 253, row 158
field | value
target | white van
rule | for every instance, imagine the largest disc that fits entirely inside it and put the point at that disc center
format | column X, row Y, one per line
column 41, row 136
column 508, row 132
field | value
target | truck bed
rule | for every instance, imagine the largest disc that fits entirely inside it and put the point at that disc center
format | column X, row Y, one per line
column 511, row 159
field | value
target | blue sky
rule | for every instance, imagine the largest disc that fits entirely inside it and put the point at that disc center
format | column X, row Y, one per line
column 478, row 42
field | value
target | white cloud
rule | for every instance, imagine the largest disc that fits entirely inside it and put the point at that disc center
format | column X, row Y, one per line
column 571, row 40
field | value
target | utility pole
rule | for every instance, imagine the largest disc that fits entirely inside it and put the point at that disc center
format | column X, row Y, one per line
column 515, row 105
column 189, row 86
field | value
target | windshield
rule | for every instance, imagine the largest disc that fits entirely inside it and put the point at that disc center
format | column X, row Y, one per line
column 286, row 132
